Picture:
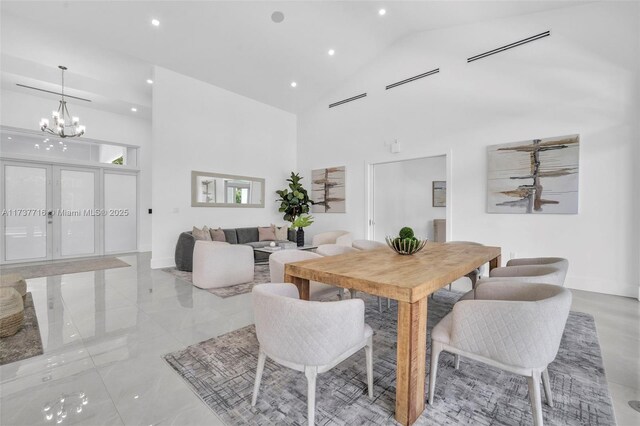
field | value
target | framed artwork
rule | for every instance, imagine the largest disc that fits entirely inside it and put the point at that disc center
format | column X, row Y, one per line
column 534, row 177
column 439, row 193
column 328, row 190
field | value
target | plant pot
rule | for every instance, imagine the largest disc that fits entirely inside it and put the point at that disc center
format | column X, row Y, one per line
column 300, row 237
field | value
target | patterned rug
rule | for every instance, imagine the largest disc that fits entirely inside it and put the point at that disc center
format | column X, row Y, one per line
column 221, row 372
column 66, row 267
column 26, row 342
column 260, row 276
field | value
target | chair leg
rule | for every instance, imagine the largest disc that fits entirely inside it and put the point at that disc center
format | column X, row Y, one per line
column 311, row 373
column 368, row 350
column 256, row 386
column 456, row 361
column 388, row 303
column 534, row 396
column 353, row 292
column 379, row 304
column 341, row 294
column 450, row 286
column 547, row 387
column 436, row 348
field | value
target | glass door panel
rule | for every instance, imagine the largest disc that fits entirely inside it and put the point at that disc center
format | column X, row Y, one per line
column 120, row 205
column 26, row 205
column 76, row 214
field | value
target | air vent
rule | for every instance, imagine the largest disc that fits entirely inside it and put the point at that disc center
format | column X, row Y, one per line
column 54, row 93
column 344, row 101
column 510, row 46
column 414, row 78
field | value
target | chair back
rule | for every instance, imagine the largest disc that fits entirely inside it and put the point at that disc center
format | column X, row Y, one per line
column 367, row 244
column 305, row 333
column 542, row 274
column 556, row 262
column 280, row 258
column 334, row 250
column 522, row 330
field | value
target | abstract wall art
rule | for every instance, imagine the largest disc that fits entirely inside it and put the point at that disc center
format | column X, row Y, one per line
column 535, row 176
column 328, row 190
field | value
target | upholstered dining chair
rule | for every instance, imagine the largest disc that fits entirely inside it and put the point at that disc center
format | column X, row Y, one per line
column 311, row 337
column 367, row 244
column 218, row 264
column 279, row 259
column 556, row 262
column 476, row 273
column 542, row 274
column 341, row 238
column 517, row 328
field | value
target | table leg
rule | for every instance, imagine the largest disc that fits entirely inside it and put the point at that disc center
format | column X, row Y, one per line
column 412, row 360
column 301, row 283
column 496, row 262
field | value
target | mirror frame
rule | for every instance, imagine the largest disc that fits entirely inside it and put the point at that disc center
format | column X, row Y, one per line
column 194, row 190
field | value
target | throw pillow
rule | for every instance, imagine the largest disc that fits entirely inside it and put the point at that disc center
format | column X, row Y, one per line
column 266, row 233
column 281, row 232
column 218, row 235
column 201, row 234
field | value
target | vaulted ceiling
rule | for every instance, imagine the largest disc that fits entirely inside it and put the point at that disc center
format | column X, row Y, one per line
column 110, row 47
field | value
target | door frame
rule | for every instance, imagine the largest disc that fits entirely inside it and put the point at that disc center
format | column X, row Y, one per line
column 369, row 210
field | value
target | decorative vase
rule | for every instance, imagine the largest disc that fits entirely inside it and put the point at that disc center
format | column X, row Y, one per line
column 300, row 237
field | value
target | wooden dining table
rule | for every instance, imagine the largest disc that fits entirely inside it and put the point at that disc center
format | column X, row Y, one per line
column 409, row 280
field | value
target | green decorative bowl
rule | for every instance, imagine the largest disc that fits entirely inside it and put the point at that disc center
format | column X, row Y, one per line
column 402, row 246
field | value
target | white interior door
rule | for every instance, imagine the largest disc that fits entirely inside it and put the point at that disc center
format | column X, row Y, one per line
column 76, row 214
column 121, row 208
column 26, row 211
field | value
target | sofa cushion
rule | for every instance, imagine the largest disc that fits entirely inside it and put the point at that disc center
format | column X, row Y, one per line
column 266, row 233
column 217, row 235
column 247, row 235
column 231, row 236
column 281, row 232
column 201, row 234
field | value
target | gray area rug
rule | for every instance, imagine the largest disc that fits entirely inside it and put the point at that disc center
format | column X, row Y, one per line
column 222, row 370
column 260, row 276
column 26, row 342
column 66, row 267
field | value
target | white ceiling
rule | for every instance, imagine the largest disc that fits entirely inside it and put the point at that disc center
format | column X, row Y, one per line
column 110, row 47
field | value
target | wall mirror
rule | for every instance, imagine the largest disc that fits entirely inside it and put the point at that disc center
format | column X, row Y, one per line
column 219, row 190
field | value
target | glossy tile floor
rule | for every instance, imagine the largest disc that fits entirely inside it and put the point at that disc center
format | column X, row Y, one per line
column 104, row 333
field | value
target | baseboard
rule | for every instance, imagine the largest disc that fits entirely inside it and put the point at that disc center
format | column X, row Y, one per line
column 596, row 285
column 167, row 262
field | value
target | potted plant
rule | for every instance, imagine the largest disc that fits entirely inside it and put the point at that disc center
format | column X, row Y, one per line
column 300, row 223
column 294, row 202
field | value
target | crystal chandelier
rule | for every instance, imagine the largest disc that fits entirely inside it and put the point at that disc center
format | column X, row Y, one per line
column 61, row 117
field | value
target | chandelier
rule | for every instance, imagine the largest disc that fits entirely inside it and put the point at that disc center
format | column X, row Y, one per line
column 64, row 125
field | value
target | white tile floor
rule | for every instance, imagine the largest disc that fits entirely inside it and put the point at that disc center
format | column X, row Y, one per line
column 104, row 333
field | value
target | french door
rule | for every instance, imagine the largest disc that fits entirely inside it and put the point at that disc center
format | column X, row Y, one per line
column 49, row 212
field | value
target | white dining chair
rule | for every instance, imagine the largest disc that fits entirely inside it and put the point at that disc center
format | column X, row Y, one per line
column 516, row 327
column 556, row 262
column 279, row 259
column 311, row 337
column 367, row 244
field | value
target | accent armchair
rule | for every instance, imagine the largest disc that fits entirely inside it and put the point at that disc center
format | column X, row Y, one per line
column 311, row 337
column 218, row 264
column 342, row 238
column 279, row 259
column 515, row 327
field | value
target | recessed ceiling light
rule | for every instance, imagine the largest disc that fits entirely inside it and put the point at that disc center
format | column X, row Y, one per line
column 277, row 16
column 294, row 84
column 155, row 22
column 149, row 81
column 134, row 109
column 382, row 12
column 331, row 52
column 9, row 137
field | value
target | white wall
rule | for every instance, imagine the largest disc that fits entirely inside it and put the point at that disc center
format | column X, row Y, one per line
column 25, row 111
column 403, row 196
column 197, row 126
column 583, row 79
